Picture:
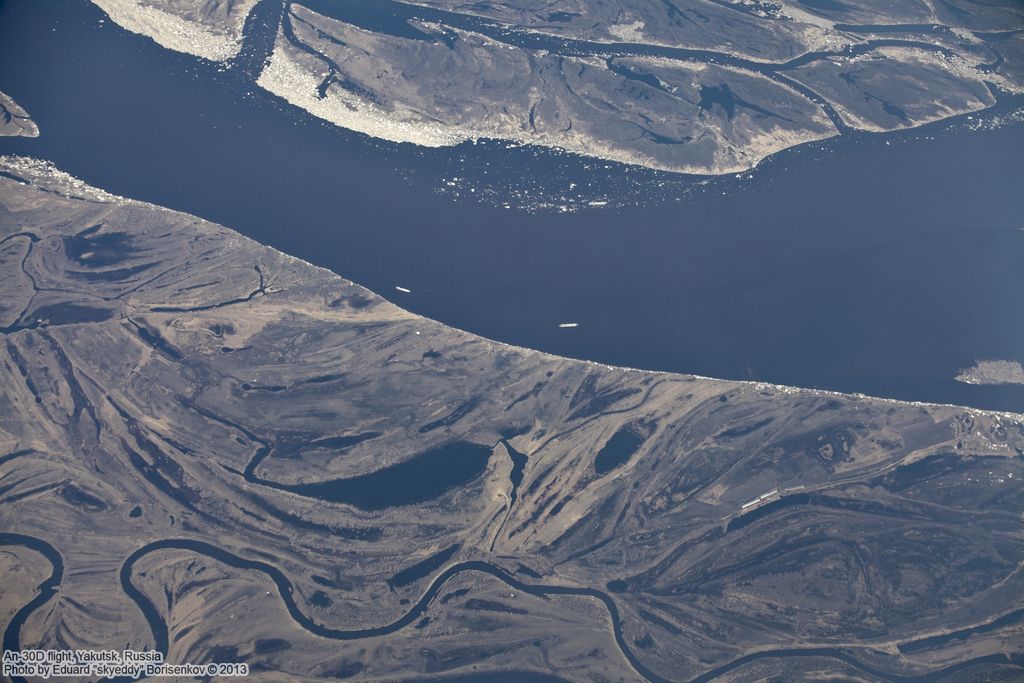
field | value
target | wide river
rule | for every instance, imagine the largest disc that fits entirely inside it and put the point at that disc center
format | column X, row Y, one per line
column 874, row 264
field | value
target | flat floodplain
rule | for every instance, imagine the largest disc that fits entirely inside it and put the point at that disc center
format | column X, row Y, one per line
column 881, row 264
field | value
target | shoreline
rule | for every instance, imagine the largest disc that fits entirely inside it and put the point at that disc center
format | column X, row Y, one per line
column 39, row 169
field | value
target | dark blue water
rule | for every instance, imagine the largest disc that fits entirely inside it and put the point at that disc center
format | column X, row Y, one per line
column 877, row 264
column 617, row 451
column 423, row 477
column 45, row 591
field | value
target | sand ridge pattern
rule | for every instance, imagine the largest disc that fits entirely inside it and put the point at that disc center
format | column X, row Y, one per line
column 698, row 87
column 184, row 413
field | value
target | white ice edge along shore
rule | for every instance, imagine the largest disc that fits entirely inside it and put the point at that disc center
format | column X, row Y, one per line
column 171, row 31
column 43, row 174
